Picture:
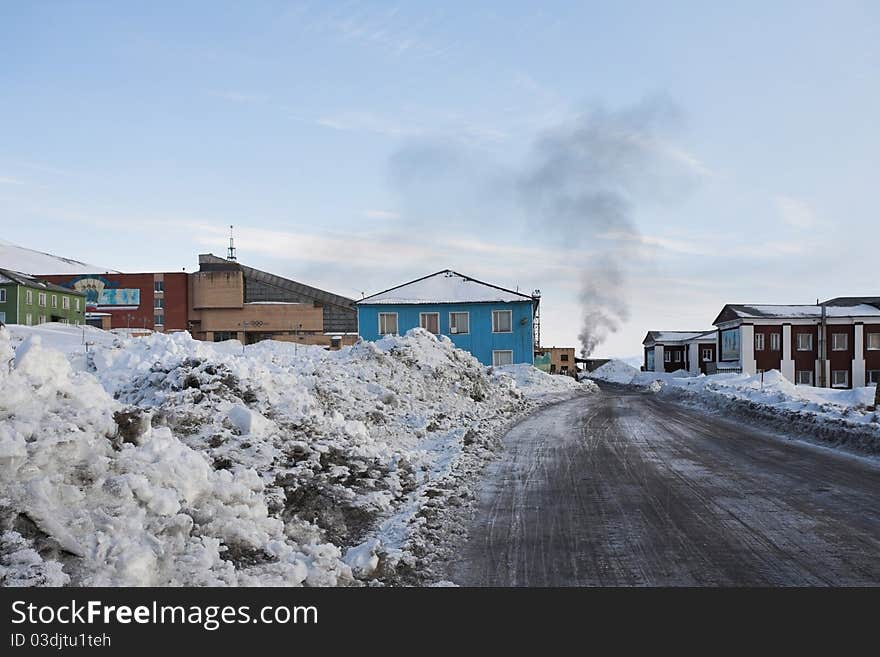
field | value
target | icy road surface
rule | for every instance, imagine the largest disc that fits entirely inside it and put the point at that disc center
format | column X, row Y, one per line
column 625, row 489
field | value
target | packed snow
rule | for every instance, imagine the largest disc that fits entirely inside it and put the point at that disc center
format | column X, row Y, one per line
column 614, row 371
column 836, row 415
column 163, row 460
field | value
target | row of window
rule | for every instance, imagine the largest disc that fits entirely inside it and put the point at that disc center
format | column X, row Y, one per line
column 41, row 319
column 42, row 299
column 459, row 322
column 839, row 341
column 707, row 355
column 839, row 378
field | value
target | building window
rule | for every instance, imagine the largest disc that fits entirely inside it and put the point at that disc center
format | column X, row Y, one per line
column 54, row 300
column 459, row 323
column 563, row 358
column 29, row 297
column 76, row 304
column 873, row 377
column 804, row 378
column 3, row 295
column 677, row 356
column 500, row 358
column 759, row 342
column 41, row 299
column 387, row 323
column 2, row 317
column 667, row 356
column 158, row 286
column 874, row 341
column 840, row 378
column 707, row 355
column 430, row 322
column 805, row 342
column 839, row 342
column 65, row 303
column 158, row 303
column 158, row 320
column 28, row 319
column 502, row 321
column 775, row 342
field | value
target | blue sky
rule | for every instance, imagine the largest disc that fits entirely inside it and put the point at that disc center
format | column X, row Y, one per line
column 357, row 145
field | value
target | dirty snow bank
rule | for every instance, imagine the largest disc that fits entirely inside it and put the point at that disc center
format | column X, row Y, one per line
column 836, row 416
column 167, row 461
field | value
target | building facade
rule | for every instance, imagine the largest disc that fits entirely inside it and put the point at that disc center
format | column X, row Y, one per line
column 223, row 300
column 832, row 345
column 232, row 301
column 30, row 301
column 556, row 360
column 494, row 324
column 671, row 351
column 154, row 301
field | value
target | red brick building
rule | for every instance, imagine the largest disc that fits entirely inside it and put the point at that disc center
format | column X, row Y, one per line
column 833, row 345
column 155, row 301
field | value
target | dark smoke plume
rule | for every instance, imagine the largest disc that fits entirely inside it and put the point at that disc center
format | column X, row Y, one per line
column 578, row 188
column 583, row 181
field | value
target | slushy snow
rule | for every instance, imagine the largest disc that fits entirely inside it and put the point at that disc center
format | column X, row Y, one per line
column 163, row 460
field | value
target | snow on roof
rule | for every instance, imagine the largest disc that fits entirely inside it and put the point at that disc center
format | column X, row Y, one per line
column 25, row 280
column 675, row 336
column 798, row 312
column 28, row 261
column 445, row 287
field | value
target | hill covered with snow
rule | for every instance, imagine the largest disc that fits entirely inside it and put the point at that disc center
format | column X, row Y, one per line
column 29, row 261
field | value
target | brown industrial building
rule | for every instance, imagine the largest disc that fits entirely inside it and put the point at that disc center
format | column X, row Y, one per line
column 556, row 360
column 230, row 300
column 223, row 300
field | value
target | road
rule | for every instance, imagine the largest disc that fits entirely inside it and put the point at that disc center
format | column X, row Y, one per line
column 623, row 489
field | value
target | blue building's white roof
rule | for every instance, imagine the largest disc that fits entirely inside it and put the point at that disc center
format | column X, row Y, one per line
column 445, row 286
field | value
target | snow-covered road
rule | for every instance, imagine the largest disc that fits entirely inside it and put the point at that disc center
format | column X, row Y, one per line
column 623, row 488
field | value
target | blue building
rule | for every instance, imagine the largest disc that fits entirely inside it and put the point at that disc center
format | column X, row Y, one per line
column 495, row 324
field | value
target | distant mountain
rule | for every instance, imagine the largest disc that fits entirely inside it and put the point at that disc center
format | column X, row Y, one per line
column 28, row 261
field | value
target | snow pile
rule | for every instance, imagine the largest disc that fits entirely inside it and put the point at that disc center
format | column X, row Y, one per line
column 614, row 371
column 167, row 461
column 838, row 416
column 534, row 382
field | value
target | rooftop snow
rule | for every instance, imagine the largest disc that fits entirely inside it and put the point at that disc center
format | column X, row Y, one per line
column 444, row 287
column 21, row 259
column 803, row 312
column 675, row 336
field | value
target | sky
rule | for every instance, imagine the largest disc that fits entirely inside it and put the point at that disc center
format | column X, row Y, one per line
column 657, row 159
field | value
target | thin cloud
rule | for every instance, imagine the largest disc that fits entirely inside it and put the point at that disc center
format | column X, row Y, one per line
column 796, row 213
column 368, row 122
column 10, row 181
column 381, row 214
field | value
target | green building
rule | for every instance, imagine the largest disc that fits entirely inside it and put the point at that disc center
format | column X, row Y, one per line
column 30, row 301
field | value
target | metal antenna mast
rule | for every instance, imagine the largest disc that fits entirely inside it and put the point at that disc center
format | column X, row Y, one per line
column 230, row 253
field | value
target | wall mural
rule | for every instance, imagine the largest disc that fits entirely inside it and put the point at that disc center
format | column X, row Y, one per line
column 542, row 361
column 101, row 292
